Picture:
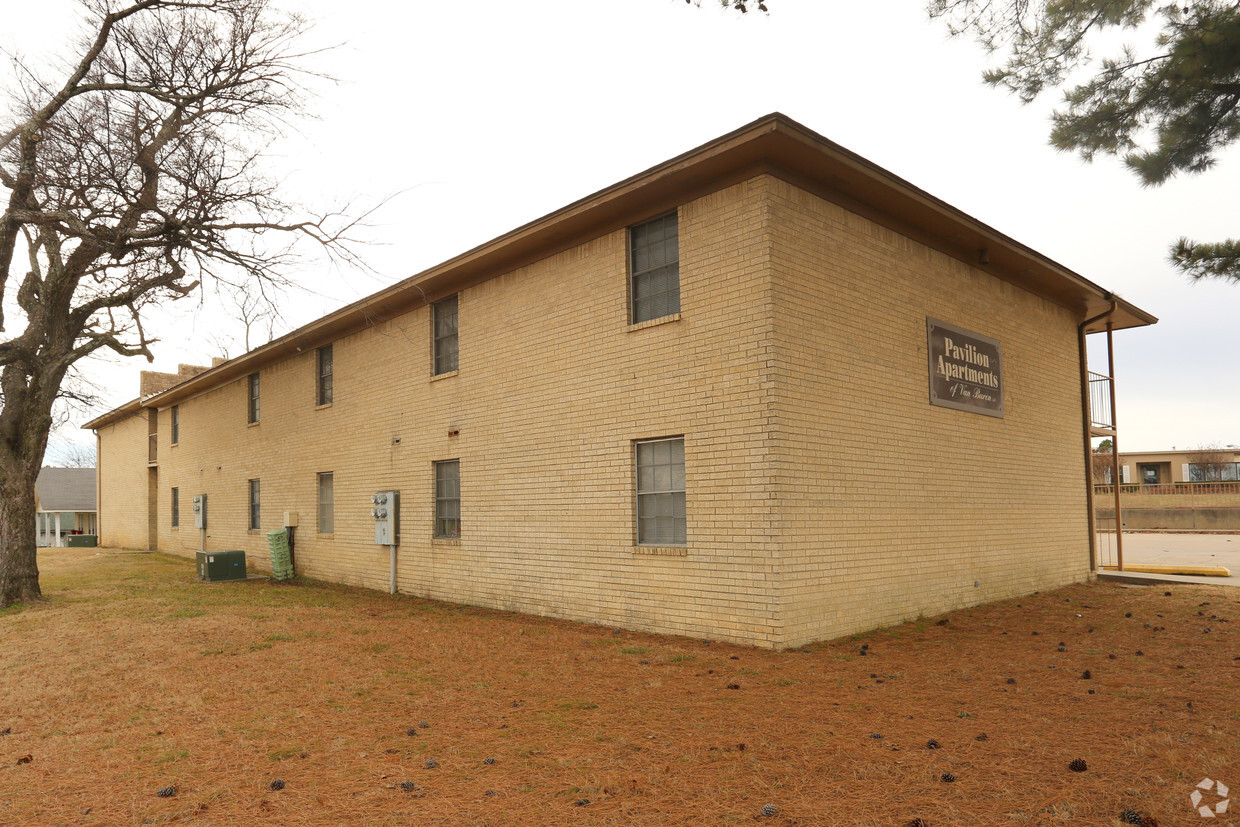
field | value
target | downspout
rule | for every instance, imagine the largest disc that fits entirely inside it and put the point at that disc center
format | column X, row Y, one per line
column 1085, row 424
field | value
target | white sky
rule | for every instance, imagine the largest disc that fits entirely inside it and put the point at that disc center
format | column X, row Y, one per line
column 490, row 113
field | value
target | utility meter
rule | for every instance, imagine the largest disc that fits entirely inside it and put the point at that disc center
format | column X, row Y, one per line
column 386, row 511
column 200, row 511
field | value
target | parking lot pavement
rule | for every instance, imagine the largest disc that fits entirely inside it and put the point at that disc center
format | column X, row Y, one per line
column 1165, row 549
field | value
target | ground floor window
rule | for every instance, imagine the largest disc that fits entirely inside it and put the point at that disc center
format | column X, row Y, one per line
column 327, row 503
column 255, row 521
column 176, row 507
column 661, row 492
column 1214, row 472
column 448, row 498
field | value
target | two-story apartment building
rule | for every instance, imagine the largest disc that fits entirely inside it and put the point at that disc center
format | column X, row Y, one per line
column 764, row 392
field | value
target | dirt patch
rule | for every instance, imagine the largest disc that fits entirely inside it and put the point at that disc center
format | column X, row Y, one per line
column 134, row 679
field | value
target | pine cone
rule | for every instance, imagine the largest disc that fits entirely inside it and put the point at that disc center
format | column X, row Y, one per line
column 166, row 792
column 947, row 778
column 431, row 763
column 769, row 810
column 276, row 785
column 1130, row 817
column 408, row 786
column 932, row 744
column 488, row 761
column 1078, row 765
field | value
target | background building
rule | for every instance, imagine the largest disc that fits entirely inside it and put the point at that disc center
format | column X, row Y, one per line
column 765, row 392
column 64, row 504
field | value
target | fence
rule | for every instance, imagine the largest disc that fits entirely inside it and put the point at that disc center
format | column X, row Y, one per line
column 1178, row 489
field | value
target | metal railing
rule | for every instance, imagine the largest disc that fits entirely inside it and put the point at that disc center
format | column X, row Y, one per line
column 1187, row 489
column 1100, row 401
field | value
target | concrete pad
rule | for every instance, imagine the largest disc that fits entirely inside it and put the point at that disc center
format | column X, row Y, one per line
column 1167, row 549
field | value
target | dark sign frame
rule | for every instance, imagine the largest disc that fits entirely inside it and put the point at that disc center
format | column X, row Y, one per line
column 976, row 360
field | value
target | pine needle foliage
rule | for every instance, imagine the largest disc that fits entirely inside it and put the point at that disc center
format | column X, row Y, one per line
column 1164, row 110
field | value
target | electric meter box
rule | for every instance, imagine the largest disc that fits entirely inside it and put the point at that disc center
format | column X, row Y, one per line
column 214, row 566
column 386, row 511
column 200, row 511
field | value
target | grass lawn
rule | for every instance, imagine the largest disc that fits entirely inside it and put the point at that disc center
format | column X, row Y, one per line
column 134, row 677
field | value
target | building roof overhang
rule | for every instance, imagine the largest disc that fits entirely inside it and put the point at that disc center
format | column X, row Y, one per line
column 115, row 415
column 775, row 145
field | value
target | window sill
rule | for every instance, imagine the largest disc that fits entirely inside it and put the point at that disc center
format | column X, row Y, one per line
column 329, row 536
column 254, row 531
column 675, row 317
column 661, row 551
column 445, row 541
column 253, row 424
column 436, row 377
column 320, row 407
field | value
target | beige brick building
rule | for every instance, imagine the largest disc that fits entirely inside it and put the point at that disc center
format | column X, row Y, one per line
column 701, row 401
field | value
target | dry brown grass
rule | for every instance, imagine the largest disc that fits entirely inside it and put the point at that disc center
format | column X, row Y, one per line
column 133, row 677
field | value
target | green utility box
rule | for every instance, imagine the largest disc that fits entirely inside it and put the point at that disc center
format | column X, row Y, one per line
column 81, row 541
column 281, row 555
column 214, row 566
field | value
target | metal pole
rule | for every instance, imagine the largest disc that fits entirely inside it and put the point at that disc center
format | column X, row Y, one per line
column 392, row 587
column 1119, row 517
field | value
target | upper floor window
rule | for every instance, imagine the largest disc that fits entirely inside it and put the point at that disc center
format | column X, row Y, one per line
column 661, row 492
column 325, row 375
column 444, row 314
column 654, row 268
column 252, row 414
column 176, row 424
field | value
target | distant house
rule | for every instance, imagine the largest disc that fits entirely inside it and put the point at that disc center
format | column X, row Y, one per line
column 65, row 504
column 1176, row 467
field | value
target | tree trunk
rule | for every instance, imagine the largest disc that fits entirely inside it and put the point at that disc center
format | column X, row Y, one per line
column 19, row 567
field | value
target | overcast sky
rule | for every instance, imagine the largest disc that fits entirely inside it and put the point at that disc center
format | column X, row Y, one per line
column 491, row 113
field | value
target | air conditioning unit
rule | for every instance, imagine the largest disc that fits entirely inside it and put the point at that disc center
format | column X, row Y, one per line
column 215, row 566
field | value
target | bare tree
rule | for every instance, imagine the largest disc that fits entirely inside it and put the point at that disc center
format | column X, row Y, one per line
column 1103, row 462
column 125, row 183
column 257, row 312
column 1209, row 461
column 76, row 455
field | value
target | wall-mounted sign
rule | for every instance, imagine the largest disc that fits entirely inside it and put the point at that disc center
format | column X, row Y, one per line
column 966, row 369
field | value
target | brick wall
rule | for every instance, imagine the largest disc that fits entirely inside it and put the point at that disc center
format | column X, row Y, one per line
column 553, row 387
column 123, row 482
column 890, row 507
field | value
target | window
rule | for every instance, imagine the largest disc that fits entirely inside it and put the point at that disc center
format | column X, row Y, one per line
column 448, row 498
column 1213, row 471
column 176, row 424
column 325, row 375
column 661, row 492
column 255, row 521
column 444, row 314
column 254, row 399
column 654, row 268
column 327, row 500
column 176, row 507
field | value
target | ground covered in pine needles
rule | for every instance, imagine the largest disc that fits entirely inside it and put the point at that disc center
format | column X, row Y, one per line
column 257, row 703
